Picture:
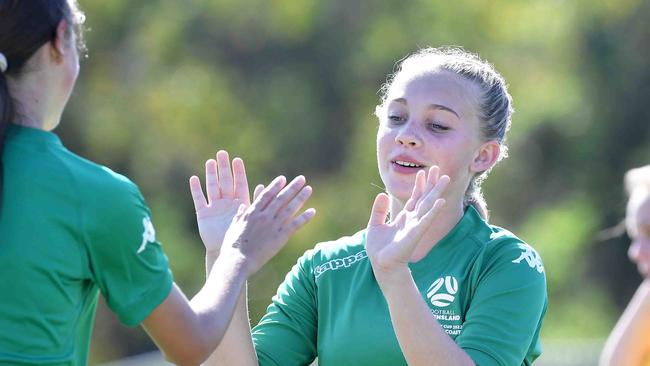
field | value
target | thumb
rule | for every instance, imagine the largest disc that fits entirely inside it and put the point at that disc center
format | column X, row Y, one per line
column 379, row 210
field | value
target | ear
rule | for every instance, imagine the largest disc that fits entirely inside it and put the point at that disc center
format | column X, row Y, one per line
column 59, row 42
column 486, row 156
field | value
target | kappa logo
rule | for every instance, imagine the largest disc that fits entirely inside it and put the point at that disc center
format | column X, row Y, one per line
column 443, row 297
column 339, row 263
column 148, row 235
column 531, row 257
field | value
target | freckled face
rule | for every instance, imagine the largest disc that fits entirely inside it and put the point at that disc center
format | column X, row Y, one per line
column 638, row 228
column 428, row 120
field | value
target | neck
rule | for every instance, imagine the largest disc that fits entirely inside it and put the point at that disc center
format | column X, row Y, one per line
column 37, row 105
column 447, row 218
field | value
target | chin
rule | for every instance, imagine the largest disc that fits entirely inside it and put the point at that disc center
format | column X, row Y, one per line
column 400, row 192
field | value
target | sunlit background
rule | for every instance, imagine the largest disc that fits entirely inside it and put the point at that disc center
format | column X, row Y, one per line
column 290, row 86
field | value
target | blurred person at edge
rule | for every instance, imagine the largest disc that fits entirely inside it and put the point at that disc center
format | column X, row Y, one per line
column 71, row 229
column 629, row 342
column 434, row 285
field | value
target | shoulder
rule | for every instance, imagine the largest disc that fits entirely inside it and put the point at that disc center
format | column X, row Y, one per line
column 99, row 185
column 93, row 178
column 500, row 247
column 107, row 199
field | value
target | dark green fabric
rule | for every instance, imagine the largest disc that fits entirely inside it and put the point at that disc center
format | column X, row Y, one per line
column 70, row 230
column 485, row 286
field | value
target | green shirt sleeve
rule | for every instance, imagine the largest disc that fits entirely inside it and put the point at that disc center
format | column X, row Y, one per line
column 286, row 335
column 504, row 318
column 127, row 262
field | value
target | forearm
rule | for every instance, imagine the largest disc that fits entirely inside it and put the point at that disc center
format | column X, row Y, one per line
column 628, row 343
column 420, row 336
column 187, row 332
column 236, row 347
column 215, row 304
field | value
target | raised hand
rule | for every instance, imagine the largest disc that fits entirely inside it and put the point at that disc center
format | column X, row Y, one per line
column 259, row 231
column 227, row 190
column 390, row 244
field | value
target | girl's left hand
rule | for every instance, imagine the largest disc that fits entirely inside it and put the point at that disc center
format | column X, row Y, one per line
column 390, row 245
column 227, row 190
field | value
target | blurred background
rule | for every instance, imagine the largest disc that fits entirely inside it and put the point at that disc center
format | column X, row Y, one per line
column 291, row 86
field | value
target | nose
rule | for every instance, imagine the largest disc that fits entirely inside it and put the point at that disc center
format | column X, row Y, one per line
column 639, row 252
column 407, row 136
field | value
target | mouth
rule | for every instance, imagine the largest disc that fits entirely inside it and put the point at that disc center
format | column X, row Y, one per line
column 407, row 164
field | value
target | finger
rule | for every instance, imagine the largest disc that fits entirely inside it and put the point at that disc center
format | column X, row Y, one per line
column 211, row 183
column 269, row 193
column 240, row 211
column 379, row 211
column 431, row 179
column 300, row 221
column 197, row 194
column 286, row 195
column 225, row 174
column 241, row 181
column 418, row 188
column 433, row 175
column 427, row 219
column 295, row 204
column 258, row 189
column 430, row 198
column 415, row 232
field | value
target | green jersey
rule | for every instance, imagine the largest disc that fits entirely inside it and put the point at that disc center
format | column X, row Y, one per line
column 69, row 230
column 486, row 288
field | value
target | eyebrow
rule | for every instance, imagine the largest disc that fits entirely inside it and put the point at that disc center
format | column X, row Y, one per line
column 430, row 106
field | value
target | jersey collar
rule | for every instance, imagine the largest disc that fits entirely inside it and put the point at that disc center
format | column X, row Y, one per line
column 33, row 135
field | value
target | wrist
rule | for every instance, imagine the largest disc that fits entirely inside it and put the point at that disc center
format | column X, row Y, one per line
column 212, row 254
column 234, row 261
column 392, row 276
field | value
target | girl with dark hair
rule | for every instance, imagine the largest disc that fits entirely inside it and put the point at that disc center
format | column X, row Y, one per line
column 71, row 229
column 429, row 281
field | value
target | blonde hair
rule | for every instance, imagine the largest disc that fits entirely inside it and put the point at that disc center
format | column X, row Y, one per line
column 637, row 178
column 494, row 105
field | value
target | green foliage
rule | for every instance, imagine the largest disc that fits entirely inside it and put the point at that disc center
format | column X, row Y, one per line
column 291, row 87
column 561, row 233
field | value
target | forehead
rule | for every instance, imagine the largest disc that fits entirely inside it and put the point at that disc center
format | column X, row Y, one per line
column 437, row 87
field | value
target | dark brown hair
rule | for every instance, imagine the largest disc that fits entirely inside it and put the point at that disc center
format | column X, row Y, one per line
column 25, row 26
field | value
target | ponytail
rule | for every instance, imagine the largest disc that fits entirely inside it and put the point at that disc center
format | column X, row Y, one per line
column 474, row 197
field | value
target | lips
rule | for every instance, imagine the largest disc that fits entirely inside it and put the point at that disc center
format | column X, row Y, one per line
column 406, row 164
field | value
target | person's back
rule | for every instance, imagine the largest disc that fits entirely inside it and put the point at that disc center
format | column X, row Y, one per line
column 65, row 222
column 70, row 229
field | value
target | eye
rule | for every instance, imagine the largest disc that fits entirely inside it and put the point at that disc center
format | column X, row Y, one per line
column 437, row 127
column 396, row 118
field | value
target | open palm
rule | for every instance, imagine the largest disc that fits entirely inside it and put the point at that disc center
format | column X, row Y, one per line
column 391, row 244
column 227, row 190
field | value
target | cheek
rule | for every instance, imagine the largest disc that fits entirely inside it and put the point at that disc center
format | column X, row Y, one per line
column 457, row 155
column 72, row 72
column 385, row 139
